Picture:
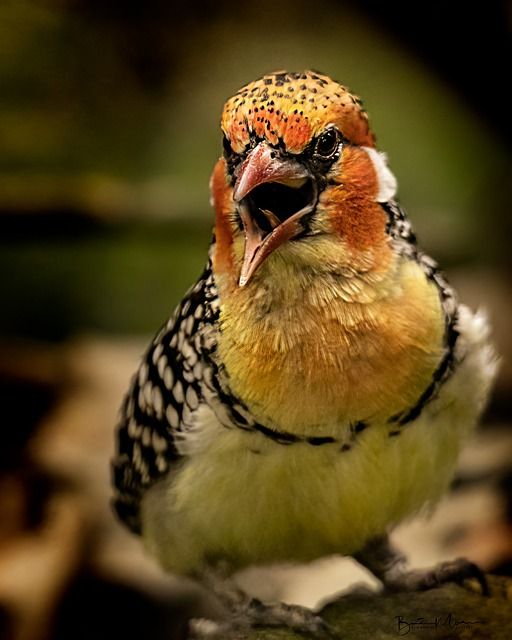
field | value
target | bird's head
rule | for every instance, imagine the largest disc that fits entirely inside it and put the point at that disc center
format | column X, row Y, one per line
column 300, row 178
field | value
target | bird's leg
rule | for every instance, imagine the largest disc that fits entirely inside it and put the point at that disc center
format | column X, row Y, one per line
column 246, row 611
column 390, row 566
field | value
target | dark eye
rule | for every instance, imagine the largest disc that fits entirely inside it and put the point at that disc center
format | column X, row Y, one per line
column 327, row 144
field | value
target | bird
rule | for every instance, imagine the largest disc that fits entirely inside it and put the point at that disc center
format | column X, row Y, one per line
column 315, row 386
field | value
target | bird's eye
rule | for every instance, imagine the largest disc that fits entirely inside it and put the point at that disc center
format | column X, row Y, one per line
column 327, row 144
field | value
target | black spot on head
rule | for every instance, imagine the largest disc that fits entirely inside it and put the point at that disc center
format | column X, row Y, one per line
column 345, row 447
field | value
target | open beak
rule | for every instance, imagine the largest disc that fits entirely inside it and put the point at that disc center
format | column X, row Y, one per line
column 274, row 194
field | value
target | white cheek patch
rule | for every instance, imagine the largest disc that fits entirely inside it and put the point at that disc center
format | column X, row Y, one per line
column 385, row 178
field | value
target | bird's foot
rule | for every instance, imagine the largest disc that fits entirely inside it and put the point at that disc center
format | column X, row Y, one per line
column 245, row 612
column 458, row 571
column 281, row 614
column 259, row 614
column 389, row 565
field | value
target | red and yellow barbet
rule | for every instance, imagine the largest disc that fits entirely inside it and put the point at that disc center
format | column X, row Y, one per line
column 316, row 385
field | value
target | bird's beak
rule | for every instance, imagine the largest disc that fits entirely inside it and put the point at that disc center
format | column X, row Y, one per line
column 274, row 193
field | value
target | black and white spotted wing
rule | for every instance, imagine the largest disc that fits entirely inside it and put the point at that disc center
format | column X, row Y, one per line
column 175, row 376
column 400, row 230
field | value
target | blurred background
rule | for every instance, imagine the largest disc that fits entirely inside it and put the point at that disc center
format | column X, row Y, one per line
column 109, row 130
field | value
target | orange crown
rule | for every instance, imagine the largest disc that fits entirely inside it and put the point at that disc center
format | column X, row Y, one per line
column 293, row 107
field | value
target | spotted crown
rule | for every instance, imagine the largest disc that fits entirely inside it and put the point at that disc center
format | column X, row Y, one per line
column 292, row 108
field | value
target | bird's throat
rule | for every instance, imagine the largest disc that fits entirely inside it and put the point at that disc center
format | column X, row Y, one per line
column 310, row 364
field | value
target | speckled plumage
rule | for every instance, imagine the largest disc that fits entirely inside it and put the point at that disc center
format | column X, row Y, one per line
column 317, row 383
column 290, row 108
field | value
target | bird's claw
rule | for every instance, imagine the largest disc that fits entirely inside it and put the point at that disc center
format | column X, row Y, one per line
column 257, row 614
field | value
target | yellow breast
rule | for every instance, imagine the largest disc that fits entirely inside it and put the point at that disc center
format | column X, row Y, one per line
column 311, row 362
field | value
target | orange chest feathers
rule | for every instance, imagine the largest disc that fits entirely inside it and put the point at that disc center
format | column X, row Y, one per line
column 311, row 368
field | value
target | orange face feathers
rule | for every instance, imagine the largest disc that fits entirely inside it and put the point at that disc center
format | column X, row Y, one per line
column 299, row 163
column 222, row 202
column 354, row 214
column 293, row 108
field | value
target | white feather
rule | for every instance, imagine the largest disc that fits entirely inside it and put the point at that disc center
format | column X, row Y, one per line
column 386, row 179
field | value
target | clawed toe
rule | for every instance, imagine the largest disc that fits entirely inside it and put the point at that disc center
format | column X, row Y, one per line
column 287, row 615
column 258, row 614
column 458, row 571
column 245, row 612
column 390, row 567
